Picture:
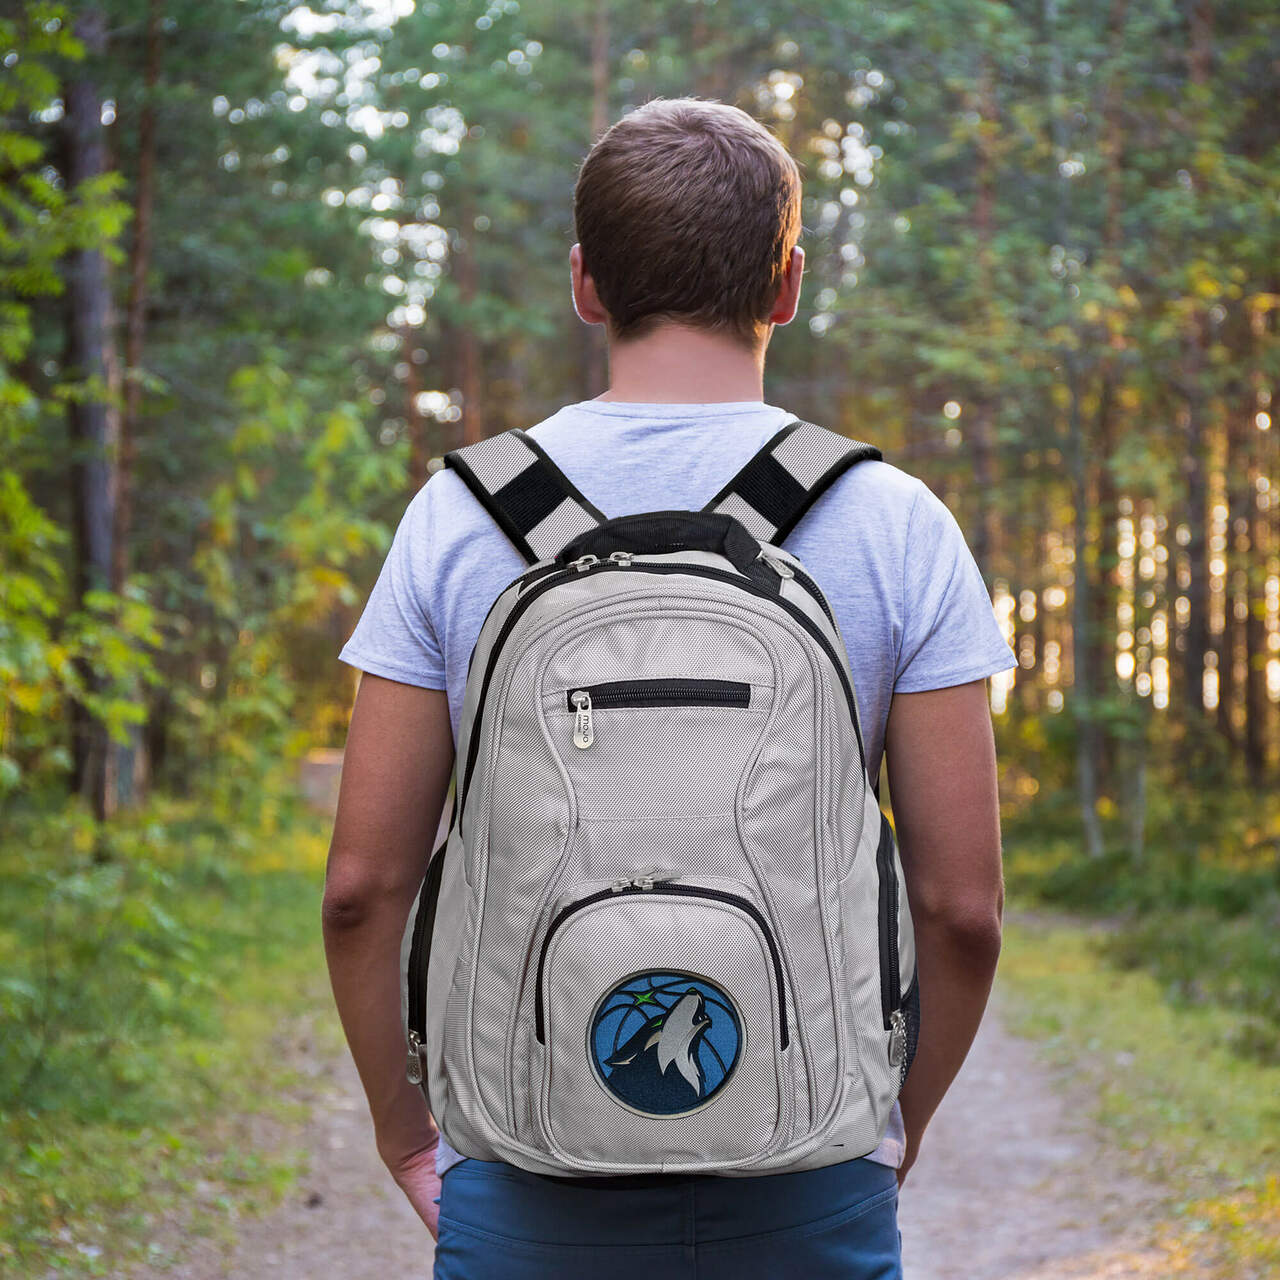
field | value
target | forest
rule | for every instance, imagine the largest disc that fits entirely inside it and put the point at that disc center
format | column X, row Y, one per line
column 262, row 263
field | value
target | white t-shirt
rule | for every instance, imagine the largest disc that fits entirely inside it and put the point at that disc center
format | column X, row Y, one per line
column 887, row 554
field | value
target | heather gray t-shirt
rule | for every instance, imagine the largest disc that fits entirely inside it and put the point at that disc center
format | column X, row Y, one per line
column 888, row 555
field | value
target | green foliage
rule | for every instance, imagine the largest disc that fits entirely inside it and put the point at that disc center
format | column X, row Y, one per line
column 274, row 562
column 1199, row 957
column 1198, row 908
column 144, row 1002
column 51, row 654
column 97, row 970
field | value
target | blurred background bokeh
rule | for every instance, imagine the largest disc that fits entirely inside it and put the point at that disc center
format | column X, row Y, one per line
column 261, row 264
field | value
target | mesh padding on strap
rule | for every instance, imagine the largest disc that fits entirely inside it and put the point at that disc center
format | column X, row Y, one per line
column 525, row 492
column 784, row 479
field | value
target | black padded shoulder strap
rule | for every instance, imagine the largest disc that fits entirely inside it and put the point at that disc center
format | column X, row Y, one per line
column 784, row 479
column 531, row 499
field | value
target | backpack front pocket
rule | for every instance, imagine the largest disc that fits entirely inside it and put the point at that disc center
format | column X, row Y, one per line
column 695, row 736
column 661, row 1014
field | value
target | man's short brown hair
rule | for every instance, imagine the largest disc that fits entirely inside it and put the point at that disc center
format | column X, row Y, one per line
column 687, row 210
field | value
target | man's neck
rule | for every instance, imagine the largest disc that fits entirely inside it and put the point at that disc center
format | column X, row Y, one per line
column 678, row 364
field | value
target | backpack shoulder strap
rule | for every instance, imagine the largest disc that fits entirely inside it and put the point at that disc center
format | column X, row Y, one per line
column 529, row 497
column 784, row 479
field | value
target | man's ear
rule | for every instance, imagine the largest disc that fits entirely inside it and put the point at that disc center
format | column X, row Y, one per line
column 586, row 302
column 784, row 309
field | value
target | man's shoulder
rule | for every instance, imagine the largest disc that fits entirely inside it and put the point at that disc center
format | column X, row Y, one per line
column 446, row 502
column 876, row 489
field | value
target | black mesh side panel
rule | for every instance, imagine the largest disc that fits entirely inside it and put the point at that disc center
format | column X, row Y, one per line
column 911, row 1011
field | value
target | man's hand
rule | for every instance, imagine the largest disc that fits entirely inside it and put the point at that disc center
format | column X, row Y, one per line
column 416, row 1176
column 942, row 774
column 395, row 776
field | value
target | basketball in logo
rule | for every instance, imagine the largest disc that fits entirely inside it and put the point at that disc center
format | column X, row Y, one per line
column 665, row 1043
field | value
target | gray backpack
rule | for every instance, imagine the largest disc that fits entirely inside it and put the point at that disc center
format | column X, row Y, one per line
column 668, row 931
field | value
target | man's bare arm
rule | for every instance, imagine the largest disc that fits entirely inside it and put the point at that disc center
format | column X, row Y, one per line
column 395, row 776
column 942, row 774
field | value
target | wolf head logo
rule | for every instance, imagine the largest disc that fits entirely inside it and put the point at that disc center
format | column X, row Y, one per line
column 661, row 1067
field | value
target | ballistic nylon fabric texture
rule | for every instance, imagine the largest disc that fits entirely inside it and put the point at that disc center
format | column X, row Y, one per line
column 696, row 796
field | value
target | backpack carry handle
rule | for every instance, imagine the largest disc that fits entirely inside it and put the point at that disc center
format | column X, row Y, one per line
column 663, row 532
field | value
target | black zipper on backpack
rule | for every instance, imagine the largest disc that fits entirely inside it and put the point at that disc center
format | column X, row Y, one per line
column 423, row 927
column 697, row 571
column 672, row 890
column 813, row 589
column 663, row 693
column 890, row 979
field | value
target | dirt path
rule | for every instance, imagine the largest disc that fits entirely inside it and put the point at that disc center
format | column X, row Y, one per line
column 344, row 1219
column 1013, row 1185
column 1014, row 1181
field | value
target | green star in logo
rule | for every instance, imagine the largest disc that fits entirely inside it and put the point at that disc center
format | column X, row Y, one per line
column 644, row 997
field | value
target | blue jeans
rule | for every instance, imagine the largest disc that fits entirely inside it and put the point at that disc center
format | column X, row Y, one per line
column 500, row 1223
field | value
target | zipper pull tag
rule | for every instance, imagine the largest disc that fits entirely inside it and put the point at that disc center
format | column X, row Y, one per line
column 583, row 731
column 897, row 1038
column 643, row 883
column 413, row 1066
column 779, row 566
column 620, row 886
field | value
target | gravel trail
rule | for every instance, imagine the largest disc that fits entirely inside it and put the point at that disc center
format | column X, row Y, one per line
column 1015, row 1181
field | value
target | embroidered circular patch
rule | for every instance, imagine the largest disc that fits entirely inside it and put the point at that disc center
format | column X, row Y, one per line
column 665, row 1043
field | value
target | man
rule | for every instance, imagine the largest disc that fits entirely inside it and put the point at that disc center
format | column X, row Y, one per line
column 687, row 215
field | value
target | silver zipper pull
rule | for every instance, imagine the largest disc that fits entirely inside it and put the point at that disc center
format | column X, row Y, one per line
column 779, row 566
column 584, row 562
column 622, row 558
column 413, row 1067
column 620, row 886
column 583, row 731
column 644, row 883
column 897, row 1038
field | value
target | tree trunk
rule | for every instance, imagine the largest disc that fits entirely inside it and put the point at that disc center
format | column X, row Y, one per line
column 1236, row 555
column 133, row 772
column 1031, row 690
column 1138, row 800
column 470, row 355
column 136, row 304
column 1083, row 704
column 1256, row 705
column 415, row 420
column 981, row 435
column 1104, row 569
column 1196, row 636
column 595, row 357
column 1084, row 688
column 599, row 70
column 92, row 422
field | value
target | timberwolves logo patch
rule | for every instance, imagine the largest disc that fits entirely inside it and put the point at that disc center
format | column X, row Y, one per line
column 665, row 1043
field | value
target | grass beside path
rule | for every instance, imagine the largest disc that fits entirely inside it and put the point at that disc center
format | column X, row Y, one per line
column 158, row 1013
column 1199, row 1118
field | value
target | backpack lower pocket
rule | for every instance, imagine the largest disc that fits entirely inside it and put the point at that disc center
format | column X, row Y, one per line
column 661, row 1016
